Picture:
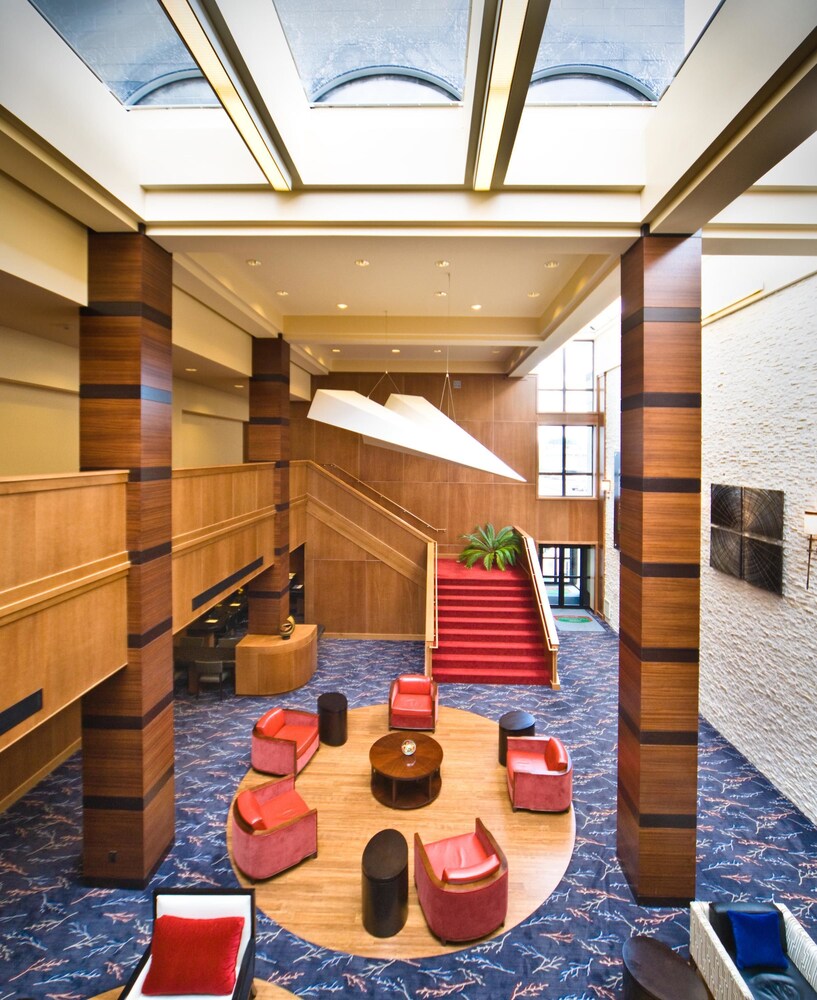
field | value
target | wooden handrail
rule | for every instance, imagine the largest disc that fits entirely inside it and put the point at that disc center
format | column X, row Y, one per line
column 551, row 636
column 432, row 614
column 382, row 496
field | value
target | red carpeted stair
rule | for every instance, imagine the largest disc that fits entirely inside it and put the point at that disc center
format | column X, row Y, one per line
column 488, row 627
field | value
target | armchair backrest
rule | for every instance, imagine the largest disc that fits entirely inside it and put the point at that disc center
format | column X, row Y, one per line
column 249, row 809
column 414, row 684
column 270, row 722
column 556, row 756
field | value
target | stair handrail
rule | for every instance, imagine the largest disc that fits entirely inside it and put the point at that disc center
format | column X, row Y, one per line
column 551, row 636
column 382, row 496
column 432, row 606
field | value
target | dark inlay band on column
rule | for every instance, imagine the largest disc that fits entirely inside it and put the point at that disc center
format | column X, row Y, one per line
column 669, row 400
column 149, row 473
column 660, row 654
column 127, row 309
column 136, row 641
column 678, row 571
column 668, row 821
column 282, row 463
column 20, row 711
column 659, row 737
column 127, row 721
column 660, row 314
column 281, row 550
column 228, row 581
column 93, row 390
column 282, row 506
column 660, row 484
column 141, row 556
column 270, row 378
column 128, row 803
column 269, row 421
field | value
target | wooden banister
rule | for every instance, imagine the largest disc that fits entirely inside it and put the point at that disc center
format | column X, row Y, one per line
column 530, row 563
column 432, row 618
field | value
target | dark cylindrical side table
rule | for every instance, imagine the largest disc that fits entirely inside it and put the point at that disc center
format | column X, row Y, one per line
column 385, row 883
column 332, row 707
column 514, row 724
column 653, row 971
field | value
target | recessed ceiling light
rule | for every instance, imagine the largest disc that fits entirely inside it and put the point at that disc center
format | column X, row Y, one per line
column 476, row 307
column 534, row 295
column 441, row 295
column 551, row 264
column 253, row 262
column 282, row 292
column 395, row 350
column 238, row 385
column 342, row 305
column 442, row 263
column 438, row 350
column 362, row 262
column 191, row 369
column 336, row 350
column 495, row 351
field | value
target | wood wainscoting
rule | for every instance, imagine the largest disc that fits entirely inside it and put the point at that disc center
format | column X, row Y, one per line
column 63, row 624
column 223, row 533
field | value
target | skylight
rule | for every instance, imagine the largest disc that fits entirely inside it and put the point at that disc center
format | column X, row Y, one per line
column 132, row 48
column 371, row 52
column 608, row 51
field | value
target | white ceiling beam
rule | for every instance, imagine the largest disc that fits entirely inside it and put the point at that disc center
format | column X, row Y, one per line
column 745, row 98
column 517, row 33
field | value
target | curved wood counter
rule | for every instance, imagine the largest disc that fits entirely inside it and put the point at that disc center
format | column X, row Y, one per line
column 268, row 664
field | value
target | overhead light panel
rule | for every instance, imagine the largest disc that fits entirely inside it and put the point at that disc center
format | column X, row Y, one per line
column 210, row 63
column 506, row 50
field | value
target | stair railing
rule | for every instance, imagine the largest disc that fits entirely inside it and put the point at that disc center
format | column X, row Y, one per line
column 530, row 564
column 432, row 606
column 382, row 498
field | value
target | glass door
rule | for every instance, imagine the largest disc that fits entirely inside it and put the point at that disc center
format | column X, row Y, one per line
column 566, row 573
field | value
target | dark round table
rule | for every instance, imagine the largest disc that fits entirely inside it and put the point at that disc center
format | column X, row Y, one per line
column 332, row 707
column 653, row 971
column 385, row 883
column 514, row 723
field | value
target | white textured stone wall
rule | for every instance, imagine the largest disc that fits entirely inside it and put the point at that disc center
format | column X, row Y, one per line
column 758, row 650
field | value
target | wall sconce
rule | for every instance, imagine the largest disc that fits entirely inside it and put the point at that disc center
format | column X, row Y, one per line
column 810, row 528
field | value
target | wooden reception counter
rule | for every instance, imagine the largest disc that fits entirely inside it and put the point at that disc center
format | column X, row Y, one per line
column 268, row 664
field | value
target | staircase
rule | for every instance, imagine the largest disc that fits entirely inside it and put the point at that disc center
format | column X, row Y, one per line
column 488, row 627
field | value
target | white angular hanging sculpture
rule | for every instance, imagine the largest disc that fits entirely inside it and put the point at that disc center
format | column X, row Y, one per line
column 406, row 423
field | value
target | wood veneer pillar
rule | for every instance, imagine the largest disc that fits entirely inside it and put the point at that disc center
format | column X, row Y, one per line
column 125, row 423
column 267, row 440
column 660, row 566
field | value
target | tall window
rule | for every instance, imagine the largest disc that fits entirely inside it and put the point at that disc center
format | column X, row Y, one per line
column 565, row 380
column 565, row 460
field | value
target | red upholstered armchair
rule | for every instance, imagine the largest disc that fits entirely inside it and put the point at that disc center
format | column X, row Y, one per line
column 413, row 702
column 540, row 774
column 284, row 741
column 273, row 829
column 462, row 884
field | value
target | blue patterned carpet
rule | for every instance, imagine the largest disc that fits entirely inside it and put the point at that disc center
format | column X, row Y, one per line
column 63, row 941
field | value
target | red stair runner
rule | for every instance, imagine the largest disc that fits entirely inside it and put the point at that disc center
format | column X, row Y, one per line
column 488, row 627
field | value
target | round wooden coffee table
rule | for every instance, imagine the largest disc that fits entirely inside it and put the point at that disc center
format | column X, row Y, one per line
column 403, row 781
column 653, row 971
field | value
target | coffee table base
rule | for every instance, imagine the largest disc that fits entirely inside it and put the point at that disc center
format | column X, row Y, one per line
column 405, row 794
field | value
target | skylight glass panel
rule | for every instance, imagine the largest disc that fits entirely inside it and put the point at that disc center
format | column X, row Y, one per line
column 608, row 51
column 374, row 52
column 133, row 49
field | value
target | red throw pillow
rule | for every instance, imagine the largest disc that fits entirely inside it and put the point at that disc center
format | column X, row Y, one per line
column 193, row 956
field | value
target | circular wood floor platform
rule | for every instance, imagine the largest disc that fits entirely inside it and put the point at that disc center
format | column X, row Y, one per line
column 320, row 899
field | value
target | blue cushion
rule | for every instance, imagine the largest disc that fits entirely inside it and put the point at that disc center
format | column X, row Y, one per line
column 757, row 940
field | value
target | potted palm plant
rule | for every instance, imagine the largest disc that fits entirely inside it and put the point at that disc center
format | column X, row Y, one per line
column 490, row 547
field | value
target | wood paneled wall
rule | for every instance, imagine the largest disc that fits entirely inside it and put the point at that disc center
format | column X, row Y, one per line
column 62, row 610
column 660, row 571
column 267, row 440
column 365, row 569
column 223, row 533
column 501, row 413
column 125, row 423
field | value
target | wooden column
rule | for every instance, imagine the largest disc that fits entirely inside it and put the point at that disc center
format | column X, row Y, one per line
column 125, row 423
column 267, row 440
column 660, row 566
